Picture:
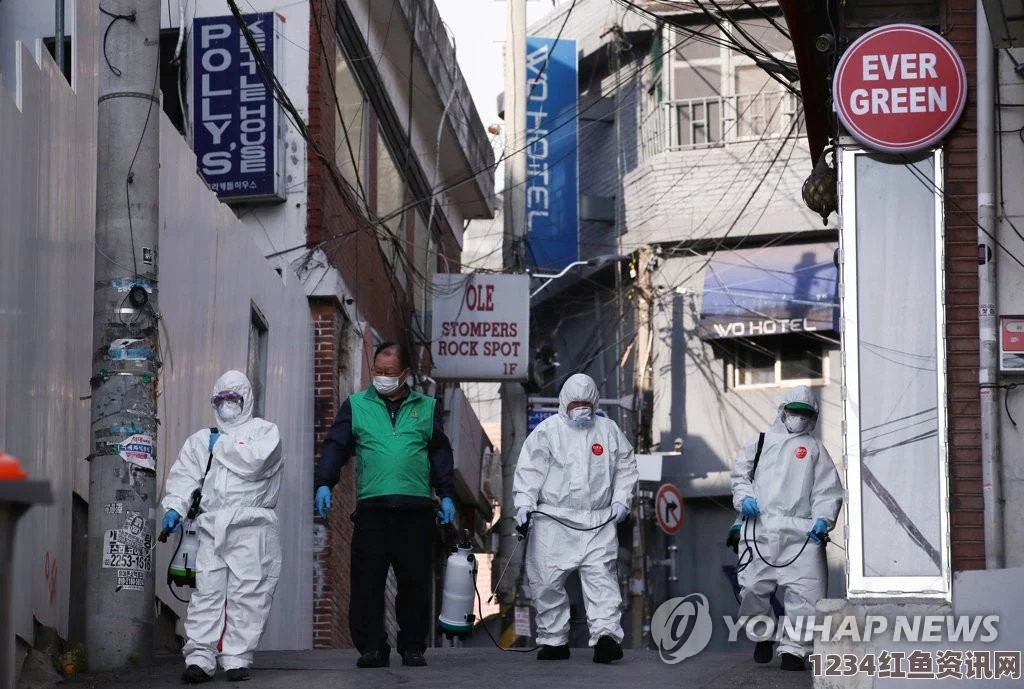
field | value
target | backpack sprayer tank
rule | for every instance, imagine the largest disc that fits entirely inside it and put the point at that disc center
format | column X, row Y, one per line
column 182, row 570
column 456, row 618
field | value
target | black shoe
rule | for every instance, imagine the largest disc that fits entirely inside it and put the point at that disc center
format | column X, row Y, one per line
column 793, row 663
column 238, row 674
column 764, row 651
column 414, row 659
column 607, row 650
column 378, row 658
column 194, row 674
column 554, row 652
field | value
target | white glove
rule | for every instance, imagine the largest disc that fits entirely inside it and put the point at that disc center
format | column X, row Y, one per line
column 619, row 512
column 522, row 515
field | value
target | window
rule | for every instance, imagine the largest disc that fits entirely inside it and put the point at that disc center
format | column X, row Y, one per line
column 755, row 363
column 173, row 73
column 256, row 366
column 350, row 119
column 174, row 78
column 390, row 198
column 896, row 403
column 51, row 46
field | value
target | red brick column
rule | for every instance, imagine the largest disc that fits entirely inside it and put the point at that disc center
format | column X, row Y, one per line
column 966, row 504
column 333, row 539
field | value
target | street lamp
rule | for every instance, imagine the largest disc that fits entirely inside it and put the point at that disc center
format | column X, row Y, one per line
column 551, row 277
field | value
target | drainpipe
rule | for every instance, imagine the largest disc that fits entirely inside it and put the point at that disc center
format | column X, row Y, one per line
column 58, row 37
column 988, row 371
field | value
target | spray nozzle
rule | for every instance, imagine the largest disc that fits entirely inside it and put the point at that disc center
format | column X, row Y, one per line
column 521, row 529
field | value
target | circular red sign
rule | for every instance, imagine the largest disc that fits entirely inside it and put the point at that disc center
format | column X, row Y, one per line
column 900, row 88
column 801, row 452
column 597, row 449
column 668, row 505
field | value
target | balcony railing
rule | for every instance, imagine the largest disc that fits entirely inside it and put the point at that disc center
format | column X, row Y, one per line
column 715, row 121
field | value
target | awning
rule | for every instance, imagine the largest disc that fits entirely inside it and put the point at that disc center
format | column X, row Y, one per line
column 770, row 291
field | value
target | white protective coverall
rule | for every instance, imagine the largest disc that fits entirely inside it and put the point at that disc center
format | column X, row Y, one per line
column 796, row 484
column 239, row 558
column 574, row 474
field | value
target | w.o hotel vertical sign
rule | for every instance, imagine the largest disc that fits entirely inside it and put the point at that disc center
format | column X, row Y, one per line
column 235, row 115
column 552, row 153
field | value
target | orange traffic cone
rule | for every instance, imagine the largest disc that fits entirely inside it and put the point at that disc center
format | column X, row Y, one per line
column 10, row 469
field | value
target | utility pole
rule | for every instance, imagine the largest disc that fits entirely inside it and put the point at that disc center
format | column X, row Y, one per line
column 513, row 397
column 643, row 375
column 122, row 478
column 643, row 372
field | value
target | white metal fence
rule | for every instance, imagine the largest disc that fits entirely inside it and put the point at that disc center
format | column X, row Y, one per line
column 718, row 120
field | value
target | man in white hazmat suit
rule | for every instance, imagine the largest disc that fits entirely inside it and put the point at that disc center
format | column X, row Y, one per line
column 791, row 498
column 239, row 558
column 578, row 468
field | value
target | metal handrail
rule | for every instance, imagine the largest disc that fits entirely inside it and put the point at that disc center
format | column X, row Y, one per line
column 718, row 120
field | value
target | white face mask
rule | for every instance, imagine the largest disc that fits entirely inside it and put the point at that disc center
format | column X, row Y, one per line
column 581, row 417
column 795, row 423
column 229, row 411
column 387, row 385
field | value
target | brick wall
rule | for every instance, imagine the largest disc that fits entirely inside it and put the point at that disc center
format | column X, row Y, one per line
column 966, row 504
column 335, row 216
column 334, row 538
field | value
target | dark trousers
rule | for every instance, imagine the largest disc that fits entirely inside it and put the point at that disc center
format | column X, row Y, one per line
column 402, row 539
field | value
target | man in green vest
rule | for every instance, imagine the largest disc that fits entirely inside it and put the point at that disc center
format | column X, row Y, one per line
column 397, row 436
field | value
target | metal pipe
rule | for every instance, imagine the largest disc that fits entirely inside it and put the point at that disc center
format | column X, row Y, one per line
column 58, row 35
column 988, row 371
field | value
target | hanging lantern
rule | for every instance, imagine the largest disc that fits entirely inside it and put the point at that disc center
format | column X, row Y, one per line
column 820, row 187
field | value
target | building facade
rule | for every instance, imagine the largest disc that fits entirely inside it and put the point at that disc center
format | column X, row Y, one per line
column 349, row 153
column 692, row 146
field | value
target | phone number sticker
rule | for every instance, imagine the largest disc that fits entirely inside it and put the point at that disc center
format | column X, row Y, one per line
column 118, row 555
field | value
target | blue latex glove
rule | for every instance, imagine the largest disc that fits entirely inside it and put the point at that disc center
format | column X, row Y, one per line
column 819, row 529
column 749, row 508
column 447, row 513
column 172, row 521
column 323, row 501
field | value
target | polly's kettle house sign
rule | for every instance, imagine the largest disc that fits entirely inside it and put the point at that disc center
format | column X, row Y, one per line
column 236, row 118
column 900, row 88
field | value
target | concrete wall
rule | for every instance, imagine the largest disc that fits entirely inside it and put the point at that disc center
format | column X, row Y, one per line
column 1011, row 288
column 741, row 189
column 211, row 272
column 211, row 275
column 47, row 229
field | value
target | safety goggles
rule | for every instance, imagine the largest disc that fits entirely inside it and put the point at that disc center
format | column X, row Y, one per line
column 225, row 397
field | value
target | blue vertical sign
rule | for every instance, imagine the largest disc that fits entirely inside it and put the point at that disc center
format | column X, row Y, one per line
column 552, row 153
column 234, row 113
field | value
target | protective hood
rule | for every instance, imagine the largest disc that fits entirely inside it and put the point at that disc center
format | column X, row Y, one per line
column 800, row 396
column 579, row 388
column 236, row 381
